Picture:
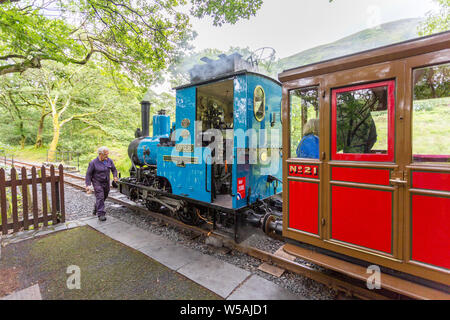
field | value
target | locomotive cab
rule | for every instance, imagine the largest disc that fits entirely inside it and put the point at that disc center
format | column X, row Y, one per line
column 225, row 152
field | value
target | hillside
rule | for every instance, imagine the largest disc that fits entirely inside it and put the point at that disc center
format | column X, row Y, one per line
column 385, row 34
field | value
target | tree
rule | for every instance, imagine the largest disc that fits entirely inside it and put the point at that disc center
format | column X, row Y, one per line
column 141, row 37
column 225, row 11
column 437, row 21
column 11, row 103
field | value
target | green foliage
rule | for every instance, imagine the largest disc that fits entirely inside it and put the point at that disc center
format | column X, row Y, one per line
column 437, row 21
column 139, row 37
column 225, row 11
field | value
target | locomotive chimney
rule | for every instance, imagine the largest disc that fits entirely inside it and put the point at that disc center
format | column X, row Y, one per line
column 145, row 114
column 145, row 118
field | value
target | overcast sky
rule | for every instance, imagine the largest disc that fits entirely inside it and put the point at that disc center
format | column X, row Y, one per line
column 291, row 26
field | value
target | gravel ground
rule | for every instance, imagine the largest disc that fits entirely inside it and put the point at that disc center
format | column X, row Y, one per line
column 80, row 204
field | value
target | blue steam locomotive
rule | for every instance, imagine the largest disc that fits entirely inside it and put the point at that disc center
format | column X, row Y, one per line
column 221, row 160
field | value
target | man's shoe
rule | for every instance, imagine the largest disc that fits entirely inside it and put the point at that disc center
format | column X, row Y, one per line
column 94, row 212
column 102, row 218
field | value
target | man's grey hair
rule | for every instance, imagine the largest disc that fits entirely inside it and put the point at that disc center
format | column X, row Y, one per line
column 102, row 150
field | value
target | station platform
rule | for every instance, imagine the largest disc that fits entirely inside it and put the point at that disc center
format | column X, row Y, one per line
column 120, row 261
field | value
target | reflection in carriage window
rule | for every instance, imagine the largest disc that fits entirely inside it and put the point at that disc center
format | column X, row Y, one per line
column 304, row 106
column 362, row 121
column 431, row 114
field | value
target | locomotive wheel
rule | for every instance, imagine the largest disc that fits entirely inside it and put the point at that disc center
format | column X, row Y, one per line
column 134, row 194
column 153, row 205
column 189, row 215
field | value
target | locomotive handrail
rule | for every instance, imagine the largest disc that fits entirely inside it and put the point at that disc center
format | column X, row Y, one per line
column 206, row 173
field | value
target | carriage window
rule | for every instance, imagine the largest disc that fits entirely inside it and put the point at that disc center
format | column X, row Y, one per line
column 431, row 114
column 304, row 106
column 362, row 121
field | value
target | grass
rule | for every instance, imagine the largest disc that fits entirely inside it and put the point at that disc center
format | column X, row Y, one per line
column 109, row 269
column 431, row 130
column 381, row 123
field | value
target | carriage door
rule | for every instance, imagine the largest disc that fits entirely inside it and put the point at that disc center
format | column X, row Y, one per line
column 365, row 181
column 427, row 219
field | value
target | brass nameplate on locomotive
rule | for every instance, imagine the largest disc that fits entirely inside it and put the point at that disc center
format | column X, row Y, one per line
column 184, row 147
column 181, row 160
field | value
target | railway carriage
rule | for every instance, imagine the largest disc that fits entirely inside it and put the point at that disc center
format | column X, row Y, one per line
column 377, row 191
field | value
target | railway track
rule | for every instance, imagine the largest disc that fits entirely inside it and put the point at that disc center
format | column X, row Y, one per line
column 347, row 287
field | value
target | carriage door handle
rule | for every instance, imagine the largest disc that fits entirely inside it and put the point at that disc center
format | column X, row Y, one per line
column 398, row 181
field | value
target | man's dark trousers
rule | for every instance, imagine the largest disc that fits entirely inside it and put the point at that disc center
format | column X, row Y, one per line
column 101, row 191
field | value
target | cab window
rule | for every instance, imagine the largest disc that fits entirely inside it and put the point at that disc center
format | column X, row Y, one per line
column 214, row 109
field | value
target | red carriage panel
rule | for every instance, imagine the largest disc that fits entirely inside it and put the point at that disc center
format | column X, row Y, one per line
column 431, row 230
column 304, row 206
column 431, row 180
column 361, row 175
column 362, row 217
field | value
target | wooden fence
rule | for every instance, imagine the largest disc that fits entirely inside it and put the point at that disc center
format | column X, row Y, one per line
column 19, row 208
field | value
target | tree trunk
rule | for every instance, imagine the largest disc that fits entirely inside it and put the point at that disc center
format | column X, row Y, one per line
column 38, row 143
column 21, row 130
column 55, row 139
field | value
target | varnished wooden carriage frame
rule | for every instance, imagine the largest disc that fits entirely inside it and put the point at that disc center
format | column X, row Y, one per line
column 395, row 62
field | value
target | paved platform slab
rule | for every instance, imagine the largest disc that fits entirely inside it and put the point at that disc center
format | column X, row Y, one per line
column 257, row 288
column 216, row 275
column 31, row 293
column 127, row 234
column 95, row 223
column 172, row 256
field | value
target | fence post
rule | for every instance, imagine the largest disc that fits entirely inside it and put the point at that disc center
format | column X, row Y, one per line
column 61, row 193
column 24, row 198
column 35, row 198
column 4, row 215
column 14, row 200
column 44, row 195
column 53, row 192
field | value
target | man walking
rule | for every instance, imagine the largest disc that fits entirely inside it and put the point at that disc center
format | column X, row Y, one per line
column 98, row 173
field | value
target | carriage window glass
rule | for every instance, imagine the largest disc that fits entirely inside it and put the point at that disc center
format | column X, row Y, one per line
column 431, row 114
column 363, row 122
column 304, row 118
column 259, row 103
